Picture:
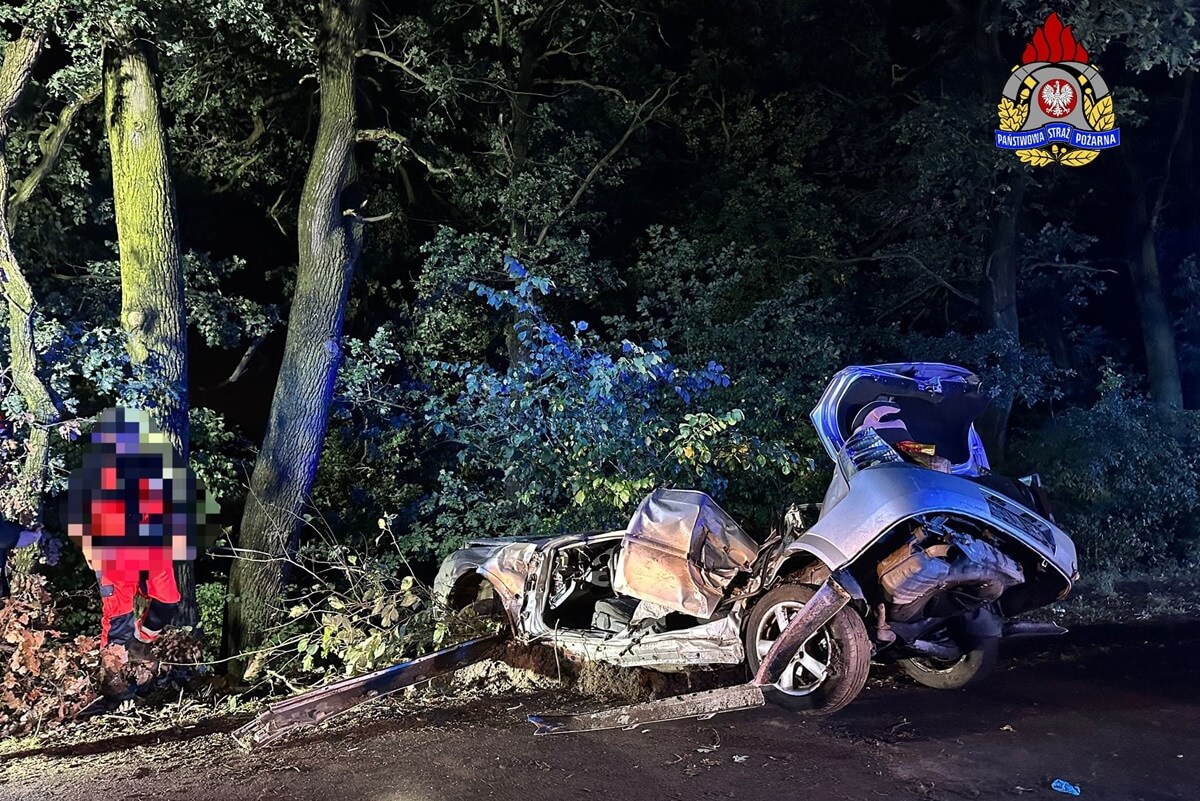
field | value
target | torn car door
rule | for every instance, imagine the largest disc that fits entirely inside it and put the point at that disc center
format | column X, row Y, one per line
column 682, row 551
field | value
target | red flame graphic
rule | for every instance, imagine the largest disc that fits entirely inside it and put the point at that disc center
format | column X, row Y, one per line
column 1054, row 42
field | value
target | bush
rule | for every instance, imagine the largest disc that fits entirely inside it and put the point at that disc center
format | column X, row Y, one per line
column 576, row 430
column 356, row 608
column 211, row 597
column 1123, row 476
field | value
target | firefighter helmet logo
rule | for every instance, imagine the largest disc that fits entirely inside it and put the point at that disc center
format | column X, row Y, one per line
column 1056, row 109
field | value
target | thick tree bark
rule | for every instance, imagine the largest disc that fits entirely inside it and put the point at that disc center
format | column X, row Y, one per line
column 330, row 236
column 19, row 60
column 153, row 313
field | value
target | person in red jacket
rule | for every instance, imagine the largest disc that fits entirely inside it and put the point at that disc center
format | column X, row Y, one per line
column 135, row 509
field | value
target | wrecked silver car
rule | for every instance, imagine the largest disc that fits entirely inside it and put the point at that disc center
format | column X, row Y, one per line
column 919, row 554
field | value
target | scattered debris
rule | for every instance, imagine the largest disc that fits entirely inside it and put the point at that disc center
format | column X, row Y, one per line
column 1064, row 787
column 713, row 746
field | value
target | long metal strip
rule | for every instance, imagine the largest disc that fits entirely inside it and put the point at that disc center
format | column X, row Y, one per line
column 692, row 705
column 323, row 703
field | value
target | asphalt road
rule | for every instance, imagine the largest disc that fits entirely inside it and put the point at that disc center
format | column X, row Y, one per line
column 1114, row 710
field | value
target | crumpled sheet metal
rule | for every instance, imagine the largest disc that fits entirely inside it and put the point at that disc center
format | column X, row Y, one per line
column 508, row 568
column 718, row 642
column 682, row 551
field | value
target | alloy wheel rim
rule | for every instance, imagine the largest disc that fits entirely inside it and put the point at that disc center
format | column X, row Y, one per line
column 810, row 667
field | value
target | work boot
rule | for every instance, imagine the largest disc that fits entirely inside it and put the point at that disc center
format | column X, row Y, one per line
column 139, row 651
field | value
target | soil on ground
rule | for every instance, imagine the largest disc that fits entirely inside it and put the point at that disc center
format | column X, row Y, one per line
column 1113, row 709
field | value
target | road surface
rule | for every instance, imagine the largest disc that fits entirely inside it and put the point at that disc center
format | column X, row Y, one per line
column 1112, row 709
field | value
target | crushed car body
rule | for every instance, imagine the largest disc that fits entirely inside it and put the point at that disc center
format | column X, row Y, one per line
column 919, row 554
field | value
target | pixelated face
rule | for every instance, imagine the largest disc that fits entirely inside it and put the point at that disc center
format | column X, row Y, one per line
column 134, row 503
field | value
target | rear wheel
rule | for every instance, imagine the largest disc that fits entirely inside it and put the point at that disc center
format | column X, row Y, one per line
column 828, row 672
column 967, row 671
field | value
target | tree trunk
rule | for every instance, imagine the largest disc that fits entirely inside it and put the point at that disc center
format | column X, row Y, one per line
column 19, row 60
column 1158, row 335
column 518, row 235
column 153, row 313
column 330, row 237
column 1000, row 306
column 999, row 292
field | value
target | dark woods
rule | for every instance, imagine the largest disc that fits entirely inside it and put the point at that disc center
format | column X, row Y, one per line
column 464, row 268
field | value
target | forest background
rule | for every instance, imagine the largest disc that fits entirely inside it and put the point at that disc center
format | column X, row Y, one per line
column 395, row 275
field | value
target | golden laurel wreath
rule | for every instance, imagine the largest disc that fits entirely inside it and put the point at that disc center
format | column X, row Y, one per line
column 1099, row 115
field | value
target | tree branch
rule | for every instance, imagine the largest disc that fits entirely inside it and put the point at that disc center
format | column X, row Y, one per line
column 240, row 370
column 595, row 87
column 638, row 121
column 19, row 58
column 395, row 62
column 499, row 24
column 51, row 144
column 388, row 135
column 920, row 264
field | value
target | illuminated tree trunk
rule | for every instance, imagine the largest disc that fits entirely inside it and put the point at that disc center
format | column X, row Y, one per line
column 153, row 313
column 330, row 236
column 19, row 59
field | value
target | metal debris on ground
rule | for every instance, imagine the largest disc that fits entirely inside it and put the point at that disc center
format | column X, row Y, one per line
column 701, row 704
column 323, row 703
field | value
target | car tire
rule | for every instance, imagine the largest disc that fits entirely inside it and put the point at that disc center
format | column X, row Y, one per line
column 842, row 649
column 968, row 671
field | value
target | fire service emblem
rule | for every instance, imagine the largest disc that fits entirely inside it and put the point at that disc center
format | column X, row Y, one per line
column 1056, row 109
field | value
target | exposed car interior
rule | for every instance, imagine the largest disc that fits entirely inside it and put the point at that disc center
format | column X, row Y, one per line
column 581, row 595
column 944, row 419
column 943, row 422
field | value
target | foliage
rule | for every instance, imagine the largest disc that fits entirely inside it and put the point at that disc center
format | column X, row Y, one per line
column 1124, row 479
column 1007, row 370
column 679, row 172
column 577, row 429
column 211, row 598
column 357, row 608
column 219, row 455
column 224, row 321
column 48, row 677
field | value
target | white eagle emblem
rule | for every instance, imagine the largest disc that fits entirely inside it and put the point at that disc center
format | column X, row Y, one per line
column 1057, row 98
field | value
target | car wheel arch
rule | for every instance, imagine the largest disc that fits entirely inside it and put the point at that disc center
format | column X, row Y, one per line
column 468, row 589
